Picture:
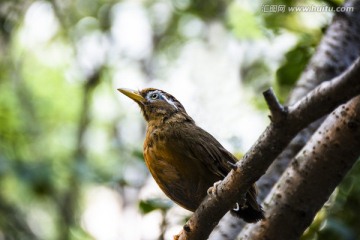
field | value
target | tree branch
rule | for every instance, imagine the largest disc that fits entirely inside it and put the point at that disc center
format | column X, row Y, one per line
column 337, row 50
column 316, row 104
column 313, row 175
column 278, row 112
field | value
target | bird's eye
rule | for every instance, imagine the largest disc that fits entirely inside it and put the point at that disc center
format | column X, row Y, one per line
column 154, row 96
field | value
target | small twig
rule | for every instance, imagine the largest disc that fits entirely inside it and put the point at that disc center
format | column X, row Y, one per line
column 278, row 112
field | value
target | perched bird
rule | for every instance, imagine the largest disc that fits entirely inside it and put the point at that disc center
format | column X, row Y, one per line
column 184, row 159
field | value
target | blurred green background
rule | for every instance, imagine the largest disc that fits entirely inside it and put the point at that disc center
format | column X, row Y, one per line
column 71, row 163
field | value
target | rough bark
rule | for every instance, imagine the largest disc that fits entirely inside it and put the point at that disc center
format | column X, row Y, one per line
column 312, row 176
column 338, row 49
column 275, row 138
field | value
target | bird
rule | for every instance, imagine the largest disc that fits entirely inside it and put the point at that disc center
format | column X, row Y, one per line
column 184, row 159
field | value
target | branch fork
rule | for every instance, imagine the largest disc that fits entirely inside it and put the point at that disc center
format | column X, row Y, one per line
column 270, row 144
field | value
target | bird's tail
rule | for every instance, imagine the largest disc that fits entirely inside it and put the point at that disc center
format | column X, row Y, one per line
column 251, row 212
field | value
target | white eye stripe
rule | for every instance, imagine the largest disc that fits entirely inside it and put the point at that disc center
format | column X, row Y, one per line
column 163, row 96
column 170, row 101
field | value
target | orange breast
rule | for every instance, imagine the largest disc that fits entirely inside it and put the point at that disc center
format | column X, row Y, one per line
column 181, row 178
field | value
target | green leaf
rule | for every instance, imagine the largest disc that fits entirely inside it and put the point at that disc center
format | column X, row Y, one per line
column 295, row 63
column 243, row 22
column 152, row 204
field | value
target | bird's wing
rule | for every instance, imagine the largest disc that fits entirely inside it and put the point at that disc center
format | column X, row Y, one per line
column 202, row 151
column 203, row 147
column 220, row 161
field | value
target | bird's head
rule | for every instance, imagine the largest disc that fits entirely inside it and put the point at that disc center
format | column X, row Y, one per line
column 156, row 104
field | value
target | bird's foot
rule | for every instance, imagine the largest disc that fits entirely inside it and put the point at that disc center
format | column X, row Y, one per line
column 233, row 165
column 213, row 191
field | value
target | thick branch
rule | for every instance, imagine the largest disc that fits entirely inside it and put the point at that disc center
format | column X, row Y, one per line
column 337, row 50
column 270, row 144
column 313, row 175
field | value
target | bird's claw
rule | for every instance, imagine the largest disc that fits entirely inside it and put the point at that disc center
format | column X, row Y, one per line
column 233, row 166
column 213, row 191
column 240, row 204
column 237, row 207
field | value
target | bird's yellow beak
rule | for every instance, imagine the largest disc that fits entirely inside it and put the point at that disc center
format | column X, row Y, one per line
column 134, row 95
